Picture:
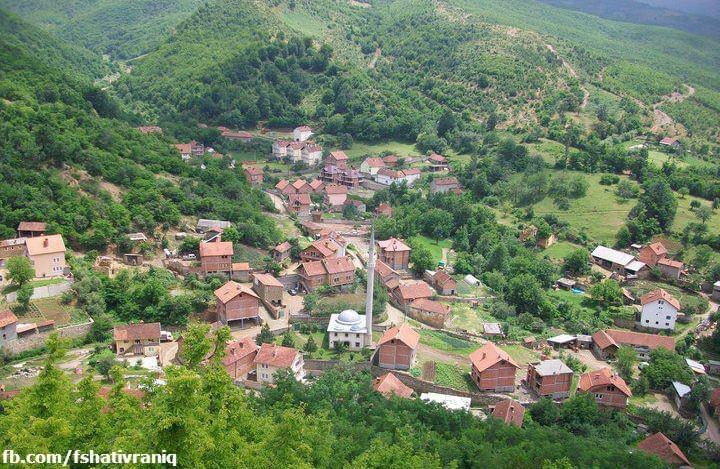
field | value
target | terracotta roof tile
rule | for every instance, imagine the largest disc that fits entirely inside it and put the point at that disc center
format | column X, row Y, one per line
column 671, row 263
column 299, row 184
column 339, row 155
column 442, row 278
column 662, row 447
column 393, row 245
column 313, row 268
column 267, row 279
column 414, row 291
column 282, row 247
column 488, row 355
column 510, row 412
column 282, row 184
column 389, row 385
column 405, row 334
column 239, row 349
column 44, row 245
column 7, row 317
column 32, row 226
column 219, row 248
column 603, row 377
column 424, row 304
column 331, row 189
column 142, row 331
column 651, row 341
column 375, row 162
column 448, row 181
column 659, row 294
column 338, row 265
column 276, row 356
column 658, row 248
column 232, row 289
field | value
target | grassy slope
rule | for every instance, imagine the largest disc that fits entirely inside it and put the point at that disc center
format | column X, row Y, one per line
column 121, row 28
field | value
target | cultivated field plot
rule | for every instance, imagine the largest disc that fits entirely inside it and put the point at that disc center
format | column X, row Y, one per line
column 52, row 309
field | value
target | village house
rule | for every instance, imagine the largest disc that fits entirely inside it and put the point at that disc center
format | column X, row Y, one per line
column 619, row 262
column 31, row 229
column 280, row 149
column 334, row 196
column 384, row 209
column 438, row 163
column 11, row 248
column 397, row 347
column 336, row 272
column 607, row 342
column 311, row 154
column 281, row 252
column 302, row 133
column 240, row 272
column 389, row 385
column 344, row 176
column 316, row 186
column 324, row 248
column 509, row 411
column 442, row 185
column 371, row 166
column 236, row 302
column 337, row 158
column 268, row 288
column 670, row 268
column 349, row 329
column 47, row 255
column 652, row 253
column 254, row 175
column 137, row 339
column 185, row 150
column 389, row 277
column 608, row 388
column 359, row 206
column 492, row 369
column 294, row 151
column 216, row 257
column 390, row 160
column 659, row 310
column 671, row 142
column 271, row 358
column 409, row 292
column 394, row 252
column 299, row 204
column 661, row 446
column 330, row 174
column 8, row 327
column 429, row 312
column 239, row 359
column 443, row 283
column 551, row 378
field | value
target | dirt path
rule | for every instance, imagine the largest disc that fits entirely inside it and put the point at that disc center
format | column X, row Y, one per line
column 375, row 58
column 277, row 201
column 573, row 73
column 660, row 119
column 713, row 431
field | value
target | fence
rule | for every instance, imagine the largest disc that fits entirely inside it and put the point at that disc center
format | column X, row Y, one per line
column 46, row 291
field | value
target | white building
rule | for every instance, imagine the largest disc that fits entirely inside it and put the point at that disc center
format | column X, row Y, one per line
column 271, row 358
column 302, row 133
column 350, row 328
column 659, row 310
column 618, row 261
column 447, row 401
column 311, row 154
column 279, row 148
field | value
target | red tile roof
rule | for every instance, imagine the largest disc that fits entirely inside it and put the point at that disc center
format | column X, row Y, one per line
column 239, row 349
column 621, row 337
column 240, row 266
column 253, row 170
column 232, row 289
column 442, row 278
column 393, row 245
column 671, row 263
column 335, row 189
column 142, row 331
column 7, row 317
column 219, row 248
column 510, row 412
column 603, row 377
column 339, row 155
column 276, row 356
column 662, row 447
column 338, row 265
column 282, row 247
column 313, row 268
column 659, row 294
column 326, row 247
column 184, row 148
column 299, row 183
column 414, row 291
column 32, row 226
column 389, row 385
column 405, row 334
column 316, row 184
column 448, row 181
column 488, row 355
column 658, row 248
column 268, row 280
column 424, row 304
column 375, row 162
column 299, row 199
column 282, row 184
column 44, row 245
column 390, row 159
column 383, row 270
column 434, row 157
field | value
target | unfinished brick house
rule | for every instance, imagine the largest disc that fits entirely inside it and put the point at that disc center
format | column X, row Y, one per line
column 216, row 257
column 652, row 253
column 236, row 303
column 397, row 348
column 239, row 358
column 492, row 369
column 394, row 252
column 509, row 411
column 608, row 388
column 551, row 378
column 337, row 272
column 320, row 249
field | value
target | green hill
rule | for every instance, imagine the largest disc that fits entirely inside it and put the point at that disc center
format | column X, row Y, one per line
column 122, row 29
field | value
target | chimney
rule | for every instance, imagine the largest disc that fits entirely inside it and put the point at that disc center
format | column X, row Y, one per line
column 45, row 242
column 232, row 351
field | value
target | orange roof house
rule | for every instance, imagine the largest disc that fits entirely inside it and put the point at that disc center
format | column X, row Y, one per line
column 659, row 294
column 509, row 411
column 389, row 385
column 652, row 253
column 384, row 209
column 216, row 257
column 236, row 302
column 281, row 251
column 137, row 339
column 47, row 254
column 406, row 294
column 662, row 447
column 606, row 343
column 492, row 369
column 397, row 347
column 394, row 252
column 322, row 249
column 239, row 359
column 271, row 358
column 28, row 229
column 429, row 312
column 607, row 386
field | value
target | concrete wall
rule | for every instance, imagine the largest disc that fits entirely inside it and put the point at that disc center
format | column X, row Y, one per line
column 45, row 291
column 38, row 340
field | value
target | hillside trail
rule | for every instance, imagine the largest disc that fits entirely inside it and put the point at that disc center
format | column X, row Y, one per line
column 375, row 58
column 572, row 72
column 660, row 118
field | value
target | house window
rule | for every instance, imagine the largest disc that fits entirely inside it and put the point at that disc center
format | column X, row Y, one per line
column 346, row 334
column 662, row 302
column 647, row 320
column 357, row 344
column 667, row 324
column 598, row 395
column 667, row 317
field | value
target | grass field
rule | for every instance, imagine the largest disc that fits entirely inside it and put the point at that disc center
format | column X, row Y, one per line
column 468, row 318
column 52, row 309
column 360, row 149
column 521, row 355
column 442, row 341
column 435, row 248
column 559, row 250
column 453, row 376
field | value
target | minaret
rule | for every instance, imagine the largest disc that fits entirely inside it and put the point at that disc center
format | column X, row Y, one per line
column 370, row 285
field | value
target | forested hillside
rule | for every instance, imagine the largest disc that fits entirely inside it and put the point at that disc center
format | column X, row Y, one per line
column 122, row 29
column 70, row 158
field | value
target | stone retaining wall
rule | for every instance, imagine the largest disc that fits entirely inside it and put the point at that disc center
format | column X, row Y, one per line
column 38, row 340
